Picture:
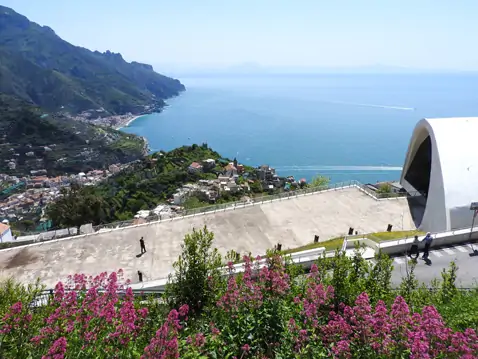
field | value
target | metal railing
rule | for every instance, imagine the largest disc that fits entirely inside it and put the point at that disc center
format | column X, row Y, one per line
column 47, row 295
column 35, row 237
column 465, row 231
column 271, row 198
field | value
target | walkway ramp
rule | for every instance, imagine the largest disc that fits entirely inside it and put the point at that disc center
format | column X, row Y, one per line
column 292, row 222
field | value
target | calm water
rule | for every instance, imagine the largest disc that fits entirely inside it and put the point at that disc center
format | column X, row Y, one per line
column 343, row 126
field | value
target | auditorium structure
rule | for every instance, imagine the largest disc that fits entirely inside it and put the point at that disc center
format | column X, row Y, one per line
column 440, row 173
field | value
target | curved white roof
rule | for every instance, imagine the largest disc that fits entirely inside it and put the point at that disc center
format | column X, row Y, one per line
column 453, row 181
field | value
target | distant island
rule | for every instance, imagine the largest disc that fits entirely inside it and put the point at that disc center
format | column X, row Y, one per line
column 43, row 69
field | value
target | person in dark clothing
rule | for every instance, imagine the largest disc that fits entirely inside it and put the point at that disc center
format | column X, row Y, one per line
column 143, row 247
column 140, row 276
column 428, row 242
column 414, row 248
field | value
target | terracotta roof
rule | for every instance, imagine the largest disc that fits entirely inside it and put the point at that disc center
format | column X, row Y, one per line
column 3, row 227
column 39, row 178
column 195, row 165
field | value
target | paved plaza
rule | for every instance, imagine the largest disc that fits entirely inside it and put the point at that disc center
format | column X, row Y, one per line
column 292, row 222
column 440, row 259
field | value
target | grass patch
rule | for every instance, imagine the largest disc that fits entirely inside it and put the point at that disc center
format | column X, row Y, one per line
column 330, row 245
column 394, row 235
column 336, row 243
column 130, row 144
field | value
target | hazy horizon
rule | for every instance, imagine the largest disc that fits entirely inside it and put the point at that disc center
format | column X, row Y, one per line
column 260, row 70
column 430, row 35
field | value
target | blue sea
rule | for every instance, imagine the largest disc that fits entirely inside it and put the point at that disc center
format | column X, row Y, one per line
column 341, row 126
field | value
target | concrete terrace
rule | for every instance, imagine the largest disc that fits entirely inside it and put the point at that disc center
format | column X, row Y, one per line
column 292, row 222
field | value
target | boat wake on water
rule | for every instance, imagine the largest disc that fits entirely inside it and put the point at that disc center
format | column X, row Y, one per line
column 372, row 105
column 338, row 168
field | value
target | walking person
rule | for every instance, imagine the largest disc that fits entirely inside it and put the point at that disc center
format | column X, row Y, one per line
column 143, row 247
column 414, row 249
column 428, row 242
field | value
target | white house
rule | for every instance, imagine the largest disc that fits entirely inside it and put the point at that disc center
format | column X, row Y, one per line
column 5, row 233
column 441, row 173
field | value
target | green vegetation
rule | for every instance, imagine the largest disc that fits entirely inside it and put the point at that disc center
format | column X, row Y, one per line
column 394, row 235
column 196, row 273
column 336, row 243
column 40, row 67
column 319, row 181
column 384, row 188
column 330, row 245
column 144, row 185
column 57, row 144
column 345, row 307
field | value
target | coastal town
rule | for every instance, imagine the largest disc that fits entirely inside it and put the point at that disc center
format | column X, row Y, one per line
column 100, row 117
column 235, row 182
column 94, row 117
column 25, row 198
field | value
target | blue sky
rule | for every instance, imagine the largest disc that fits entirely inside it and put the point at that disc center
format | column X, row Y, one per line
column 427, row 34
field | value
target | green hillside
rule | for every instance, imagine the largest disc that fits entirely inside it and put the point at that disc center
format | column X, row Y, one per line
column 35, row 141
column 40, row 67
column 144, row 185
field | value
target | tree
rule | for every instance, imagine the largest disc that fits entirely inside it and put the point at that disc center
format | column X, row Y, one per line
column 77, row 206
column 320, row 181
column 197, row 272
column 256, row 187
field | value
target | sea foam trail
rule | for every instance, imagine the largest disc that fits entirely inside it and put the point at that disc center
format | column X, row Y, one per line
column 372, row 105
column 338, row 168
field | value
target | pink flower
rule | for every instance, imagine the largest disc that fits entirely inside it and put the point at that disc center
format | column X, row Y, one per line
column 57, row 350
column 246, row 348
column 183, row 310
column 200, row 340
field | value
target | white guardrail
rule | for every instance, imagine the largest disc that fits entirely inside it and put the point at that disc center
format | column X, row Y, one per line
column 305, row 258
column 403, row 245
column 72, row 233
column 67, row 234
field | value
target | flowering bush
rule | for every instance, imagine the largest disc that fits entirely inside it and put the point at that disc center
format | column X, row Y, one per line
column 268, row 311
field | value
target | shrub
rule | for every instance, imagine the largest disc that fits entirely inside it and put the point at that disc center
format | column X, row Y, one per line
column 197, row 272
column 270, row 310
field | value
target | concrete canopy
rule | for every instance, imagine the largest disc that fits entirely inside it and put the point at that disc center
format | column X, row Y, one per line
column 441, row 172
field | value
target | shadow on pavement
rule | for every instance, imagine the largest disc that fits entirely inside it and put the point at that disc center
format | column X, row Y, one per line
column 428, row 262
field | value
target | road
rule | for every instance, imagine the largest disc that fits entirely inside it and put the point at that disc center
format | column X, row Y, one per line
column 440, row 258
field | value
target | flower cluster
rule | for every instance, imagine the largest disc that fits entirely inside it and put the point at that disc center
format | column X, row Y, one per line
column 264, row 312
column 16, row 319
column 88, row 313
column 383, row 333
column 164, row 345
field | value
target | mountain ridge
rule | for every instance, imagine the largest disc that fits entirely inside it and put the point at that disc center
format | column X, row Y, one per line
column 43, row 69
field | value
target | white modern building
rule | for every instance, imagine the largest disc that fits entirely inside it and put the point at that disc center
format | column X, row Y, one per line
column 5, row 233
column 441, row 173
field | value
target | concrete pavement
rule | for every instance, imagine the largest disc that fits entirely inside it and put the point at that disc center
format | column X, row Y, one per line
column 440, row 258
column 292, row 222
